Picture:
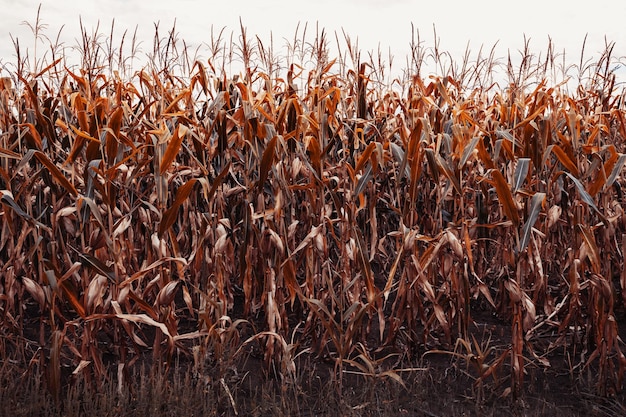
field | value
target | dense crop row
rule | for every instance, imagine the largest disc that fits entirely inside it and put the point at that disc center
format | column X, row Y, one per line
column 179, row 210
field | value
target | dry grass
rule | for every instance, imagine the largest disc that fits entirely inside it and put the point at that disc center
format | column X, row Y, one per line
column 181, row 213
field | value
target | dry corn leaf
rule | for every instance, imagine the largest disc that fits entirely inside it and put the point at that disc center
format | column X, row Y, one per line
column 266, row 162
column 315, row 153
column 616, row 171
column 363, row 180
column 94, row 263
column 121, row 226
column 449, row 173
column 143, row 319
column 365, row 156
column 441, row 318
column 52, row 168
column 95, row 291
column 514, row 290
column 586, row 197
column 594, row 253
column 289, row 274
column 505, row 196
column 315, row 231
column 170, row 215
column 564, row 159
column 529, row 313
column 535, row 208
column 173, row 147
column 366, row 267
column 454, row 243
column 7, row 198
column 167, row 294
column 400, row 156
column 188, row 300
column 82, row 365
column 554, row 213
column 144, row 271
column 35, row 291
column 6, row 153
column 521, row 171
column 467, row 152
column 113, row 134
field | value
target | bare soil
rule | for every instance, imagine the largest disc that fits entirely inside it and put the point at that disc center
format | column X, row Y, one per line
column 434, row 384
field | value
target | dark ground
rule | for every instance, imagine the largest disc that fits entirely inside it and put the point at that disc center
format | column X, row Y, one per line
column 437, row 384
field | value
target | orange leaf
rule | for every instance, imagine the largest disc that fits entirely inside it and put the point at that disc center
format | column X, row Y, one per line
column 113, row 133
column 365, row 156
column 169, row 217
column 172, row 149
column 316, row 155
column 505, row 196
column 174, row 102
column 564, row 159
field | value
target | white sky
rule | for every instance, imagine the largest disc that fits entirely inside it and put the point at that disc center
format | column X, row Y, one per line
column 374, row 22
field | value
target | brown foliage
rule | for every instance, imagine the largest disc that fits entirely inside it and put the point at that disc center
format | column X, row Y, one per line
column 328, row 212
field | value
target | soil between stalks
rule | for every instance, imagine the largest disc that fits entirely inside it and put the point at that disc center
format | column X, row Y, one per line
column 441, row 386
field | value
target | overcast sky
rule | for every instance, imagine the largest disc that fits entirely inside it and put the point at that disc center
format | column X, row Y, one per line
column 384, row 23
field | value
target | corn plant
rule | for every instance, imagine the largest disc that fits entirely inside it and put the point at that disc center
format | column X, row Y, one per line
column 308, row 205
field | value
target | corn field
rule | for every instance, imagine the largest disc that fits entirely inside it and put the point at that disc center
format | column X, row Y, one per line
column 309, row 204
